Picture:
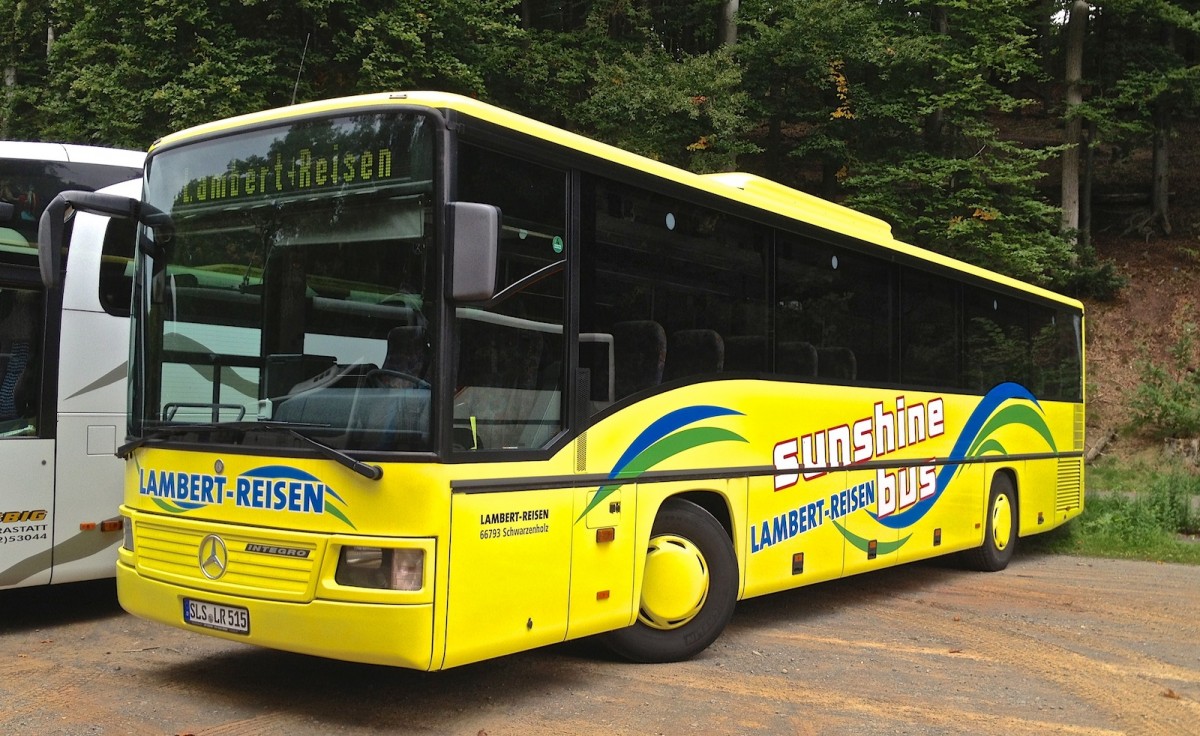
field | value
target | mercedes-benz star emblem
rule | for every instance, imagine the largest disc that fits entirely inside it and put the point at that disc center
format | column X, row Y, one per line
column 213, row 556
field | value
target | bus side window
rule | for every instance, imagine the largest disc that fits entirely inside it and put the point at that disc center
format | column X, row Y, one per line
column 930, row 337
column 996, row 343
column 681, row 287
column 116, row 267
column 20, row 352
column 511, row 354
column 837, row 301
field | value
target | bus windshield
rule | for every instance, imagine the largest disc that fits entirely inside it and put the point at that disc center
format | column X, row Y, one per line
column 292, row 288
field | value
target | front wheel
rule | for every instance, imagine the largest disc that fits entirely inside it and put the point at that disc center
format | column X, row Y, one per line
column 1000, row 537
column 688, row 590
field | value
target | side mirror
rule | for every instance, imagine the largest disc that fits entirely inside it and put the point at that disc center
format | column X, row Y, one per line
column 56, row 214
column 475, row 238
column 63, row 206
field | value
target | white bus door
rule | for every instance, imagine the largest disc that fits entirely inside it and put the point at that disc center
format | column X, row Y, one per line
column 26, row 460
column 93, row 350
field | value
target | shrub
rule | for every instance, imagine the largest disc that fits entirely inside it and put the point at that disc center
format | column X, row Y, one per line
column 1167, row 401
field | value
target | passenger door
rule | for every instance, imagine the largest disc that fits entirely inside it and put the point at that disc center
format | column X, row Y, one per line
column 27, row 459
column 93, row 351
column 510, row 567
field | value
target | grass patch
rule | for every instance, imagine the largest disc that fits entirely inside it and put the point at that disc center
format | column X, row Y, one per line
column 1133, row 512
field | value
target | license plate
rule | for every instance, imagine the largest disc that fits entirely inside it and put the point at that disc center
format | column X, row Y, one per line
column 234, row 619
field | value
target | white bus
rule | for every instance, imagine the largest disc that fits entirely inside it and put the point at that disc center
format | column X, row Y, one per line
column 63, row 355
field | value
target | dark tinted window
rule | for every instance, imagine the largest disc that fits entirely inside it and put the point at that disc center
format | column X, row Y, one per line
column 929, row 330
column 1055, row 354
column 996, row 346
column 671, row 291
column 833, row 313
column 29, row 185
column 20, row 360
column 116, row 267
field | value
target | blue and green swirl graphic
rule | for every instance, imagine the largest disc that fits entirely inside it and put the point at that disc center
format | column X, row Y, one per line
column 665, row 438
column 978, row 438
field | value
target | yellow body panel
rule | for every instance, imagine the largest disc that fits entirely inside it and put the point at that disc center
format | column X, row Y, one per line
column 513, row 562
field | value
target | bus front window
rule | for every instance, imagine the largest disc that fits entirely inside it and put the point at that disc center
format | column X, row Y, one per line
column 294, row 286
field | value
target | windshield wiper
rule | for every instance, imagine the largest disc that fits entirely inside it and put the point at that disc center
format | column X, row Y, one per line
column 158, row 433
column 372, row 472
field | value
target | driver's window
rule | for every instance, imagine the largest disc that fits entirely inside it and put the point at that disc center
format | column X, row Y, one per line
column 20, row 361
column 510, row 355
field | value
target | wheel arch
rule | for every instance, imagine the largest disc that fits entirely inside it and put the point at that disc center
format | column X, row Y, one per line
column 720, row 506
column 712, row 502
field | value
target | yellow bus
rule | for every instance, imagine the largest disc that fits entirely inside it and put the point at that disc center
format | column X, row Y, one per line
column 474, row 384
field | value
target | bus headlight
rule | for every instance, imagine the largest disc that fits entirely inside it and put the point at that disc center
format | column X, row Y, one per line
column 127, row 539
column 383, row 568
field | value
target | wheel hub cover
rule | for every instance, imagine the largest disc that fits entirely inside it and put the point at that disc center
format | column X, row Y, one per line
column 676, row 583
column 1001, row 522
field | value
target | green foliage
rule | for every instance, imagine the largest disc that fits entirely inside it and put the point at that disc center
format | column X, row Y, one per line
column 887, row 105
column 894, row 101
column 437, row 44
column 688, row 113
column 1166, row 402
column 982, row 209
column 1134, row 68
column 127, row 73
column 1161, row 504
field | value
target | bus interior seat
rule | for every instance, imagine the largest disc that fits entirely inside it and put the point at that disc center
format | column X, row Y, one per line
column 390, row 419
column 694, row 352
column 639, row 354
column 499, row 371
column 14, row 364
column 796, row 359
column 407, row 359
column 745, row 353
column 837, row 363
column 330, row 407
column 18, row 355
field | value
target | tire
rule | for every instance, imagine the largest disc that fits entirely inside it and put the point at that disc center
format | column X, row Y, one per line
column 1000, row 534
column 688, row 591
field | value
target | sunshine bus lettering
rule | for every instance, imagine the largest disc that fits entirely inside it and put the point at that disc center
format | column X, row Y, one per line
column 880, row 434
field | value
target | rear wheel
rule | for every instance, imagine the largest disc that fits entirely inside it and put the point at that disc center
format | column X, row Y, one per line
column 1000, row 537
column 688, row 590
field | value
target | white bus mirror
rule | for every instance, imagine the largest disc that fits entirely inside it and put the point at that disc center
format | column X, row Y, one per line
column 475, row 231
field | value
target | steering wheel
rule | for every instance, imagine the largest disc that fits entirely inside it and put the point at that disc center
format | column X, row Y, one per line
column 385, row 378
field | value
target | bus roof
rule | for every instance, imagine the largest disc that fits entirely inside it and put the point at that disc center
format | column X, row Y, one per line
column 69, row 152
column 748, row 189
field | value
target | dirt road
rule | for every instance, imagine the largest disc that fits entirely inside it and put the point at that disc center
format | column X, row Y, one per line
column 1052, row 645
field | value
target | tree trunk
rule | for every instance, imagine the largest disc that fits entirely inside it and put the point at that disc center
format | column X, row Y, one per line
column 1160, row 197
column 1076, row 30
column 1161, row 110
column 727, row 31
column 935, row 121
column 1085, row 188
